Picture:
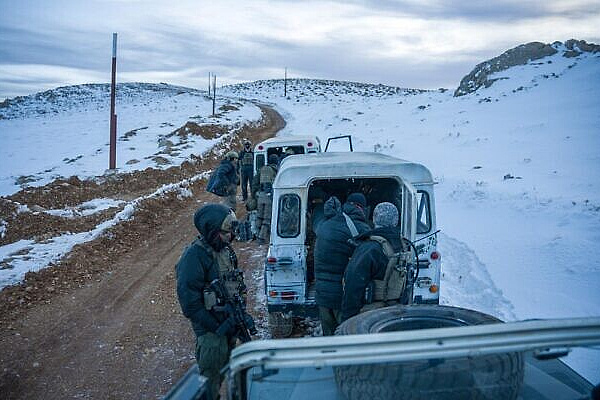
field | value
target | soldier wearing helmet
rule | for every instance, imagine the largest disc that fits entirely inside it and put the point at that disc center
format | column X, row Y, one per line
column 224, row 180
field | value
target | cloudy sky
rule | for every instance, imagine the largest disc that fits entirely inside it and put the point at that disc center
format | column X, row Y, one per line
column 409, row 43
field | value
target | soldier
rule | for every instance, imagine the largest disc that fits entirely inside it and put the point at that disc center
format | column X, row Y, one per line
column 375, row 265
column 225, row 179
column 246, row 168
column 208, row 258
column 332, row 252
column 264, row 187
column 288, row 152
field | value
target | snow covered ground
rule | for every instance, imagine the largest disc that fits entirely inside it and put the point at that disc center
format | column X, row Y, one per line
column 65, row 131
column 518, row 166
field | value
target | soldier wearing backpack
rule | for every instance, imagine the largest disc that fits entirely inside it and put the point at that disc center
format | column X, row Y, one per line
column 224, row 180
column 376, row 274
column 332, row 252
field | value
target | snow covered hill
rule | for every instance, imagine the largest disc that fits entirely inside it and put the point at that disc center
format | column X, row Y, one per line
column 518, row 167
column 65, row 131
column 517, row 162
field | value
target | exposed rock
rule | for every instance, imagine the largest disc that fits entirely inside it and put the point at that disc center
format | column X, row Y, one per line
column 206, row 131
column 520, row 55
column 582, row 46
column 165, row 143
column 161, row 160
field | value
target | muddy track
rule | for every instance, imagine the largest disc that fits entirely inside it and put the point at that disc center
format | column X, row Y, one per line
column 105, row 322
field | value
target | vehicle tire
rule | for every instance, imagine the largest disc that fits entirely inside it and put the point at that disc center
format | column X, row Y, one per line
column 496, row 376
column 280, row 324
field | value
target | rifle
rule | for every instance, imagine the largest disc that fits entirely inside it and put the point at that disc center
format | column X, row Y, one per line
column 234, row 306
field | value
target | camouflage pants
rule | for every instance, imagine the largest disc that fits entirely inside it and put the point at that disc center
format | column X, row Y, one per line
column 212, row 354
column 230, row 200
column 246, row 181
column 330, row 319
column 263, row 219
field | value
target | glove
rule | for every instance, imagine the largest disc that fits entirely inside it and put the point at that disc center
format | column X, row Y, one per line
column 227, row 327
column 250, row 324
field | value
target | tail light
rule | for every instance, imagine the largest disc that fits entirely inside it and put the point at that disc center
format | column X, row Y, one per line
column 309, row 144
column 271, row 260
column 273, row 293
column 261, row 147
column 434, row 255
column 288, row 295
column 433, row 288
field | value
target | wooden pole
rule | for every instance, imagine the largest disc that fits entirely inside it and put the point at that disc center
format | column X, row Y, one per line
column 214, row 93
column 285, row 84
column 112, row 162
column 209, row 84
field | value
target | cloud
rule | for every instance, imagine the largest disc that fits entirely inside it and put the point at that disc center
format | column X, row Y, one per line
column 497, row 10
column 424, row 44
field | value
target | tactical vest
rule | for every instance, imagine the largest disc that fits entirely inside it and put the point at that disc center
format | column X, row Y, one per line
column 247, row 159
column 388, row 290
column 229, row 274
column 267, row 176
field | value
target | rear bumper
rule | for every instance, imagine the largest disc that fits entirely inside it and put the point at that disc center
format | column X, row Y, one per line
column 297, row 310
column 421, row 300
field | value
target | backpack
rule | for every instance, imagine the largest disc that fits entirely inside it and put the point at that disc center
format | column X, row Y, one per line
column 214, row 185
column 390, row 288
column 244, row 230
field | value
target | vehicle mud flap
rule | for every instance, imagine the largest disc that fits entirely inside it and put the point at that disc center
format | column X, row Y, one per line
column 280, row 324
column 495, row 376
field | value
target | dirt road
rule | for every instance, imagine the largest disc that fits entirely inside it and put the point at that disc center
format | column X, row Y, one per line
column 105, row 323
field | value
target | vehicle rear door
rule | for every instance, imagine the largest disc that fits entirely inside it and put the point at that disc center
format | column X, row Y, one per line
column 409, row 211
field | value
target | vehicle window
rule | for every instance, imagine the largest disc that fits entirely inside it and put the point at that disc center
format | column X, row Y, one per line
column 423, row 212
column 506, row 375
column 288, row 220
column 260, row 161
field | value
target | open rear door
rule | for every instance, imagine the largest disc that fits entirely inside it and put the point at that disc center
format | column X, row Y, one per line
column 337, row 143
column 409, row 211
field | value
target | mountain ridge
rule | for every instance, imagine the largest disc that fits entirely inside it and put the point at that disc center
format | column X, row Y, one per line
column 519, row 55
column 95, row 94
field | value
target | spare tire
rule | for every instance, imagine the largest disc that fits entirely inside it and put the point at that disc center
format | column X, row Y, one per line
column 496, row 376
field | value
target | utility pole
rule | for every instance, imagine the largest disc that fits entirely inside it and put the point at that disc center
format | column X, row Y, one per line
column 214, row 93
column 209, row 84
column 285, row 83
column 112, row 162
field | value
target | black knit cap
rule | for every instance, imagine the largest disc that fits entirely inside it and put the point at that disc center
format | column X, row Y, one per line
column 357, row 198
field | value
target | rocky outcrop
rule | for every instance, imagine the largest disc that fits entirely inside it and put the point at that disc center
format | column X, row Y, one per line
column 520, row 55
column 576, row 47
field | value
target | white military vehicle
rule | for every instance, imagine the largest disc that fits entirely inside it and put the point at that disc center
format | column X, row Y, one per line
column 302, row 183
column 281, row 145
column 413, row 352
